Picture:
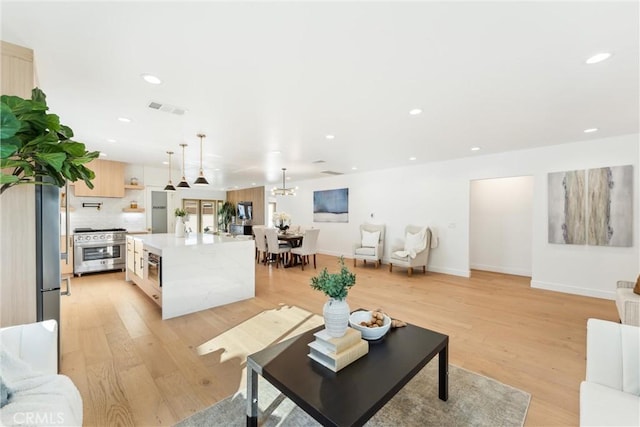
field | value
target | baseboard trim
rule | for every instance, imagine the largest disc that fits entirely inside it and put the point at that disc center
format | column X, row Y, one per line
column 504, row 270
column 573, row 290
column 435, row 269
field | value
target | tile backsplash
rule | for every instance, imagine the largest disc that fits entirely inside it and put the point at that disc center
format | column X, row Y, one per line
column 110, row 214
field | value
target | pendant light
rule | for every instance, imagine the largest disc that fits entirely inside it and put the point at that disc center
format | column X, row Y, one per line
column 201, row 180
column 284, row 191
column 169, row 186
column 183, row 183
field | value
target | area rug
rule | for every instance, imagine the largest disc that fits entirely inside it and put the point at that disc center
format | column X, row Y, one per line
column 474, row 400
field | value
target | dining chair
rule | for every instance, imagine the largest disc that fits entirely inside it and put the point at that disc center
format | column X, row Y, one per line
column 261, row 243
column 308, row 247
column 274, row 247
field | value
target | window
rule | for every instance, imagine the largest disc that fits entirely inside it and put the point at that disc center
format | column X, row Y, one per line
column 270, row 211
column 203, row 214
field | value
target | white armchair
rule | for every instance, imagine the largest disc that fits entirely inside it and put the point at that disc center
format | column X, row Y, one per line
column 399, row 256
column 610, row 394
column 370, row 246
column 628, row 303
column 29, row 366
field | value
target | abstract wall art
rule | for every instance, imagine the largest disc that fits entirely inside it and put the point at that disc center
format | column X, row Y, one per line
column 331, row 205
column 610, row 206
column 566, row 207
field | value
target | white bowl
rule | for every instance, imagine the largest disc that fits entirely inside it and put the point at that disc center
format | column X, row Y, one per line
column 367, row 332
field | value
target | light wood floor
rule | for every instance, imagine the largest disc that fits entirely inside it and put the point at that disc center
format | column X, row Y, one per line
column 132, row 368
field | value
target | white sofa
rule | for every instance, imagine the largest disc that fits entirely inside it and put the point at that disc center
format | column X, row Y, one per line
column 38, row 396
column 610, row 395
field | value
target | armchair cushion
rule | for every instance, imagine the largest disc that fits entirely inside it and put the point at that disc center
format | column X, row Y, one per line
column 370, row 239
column 365, row 251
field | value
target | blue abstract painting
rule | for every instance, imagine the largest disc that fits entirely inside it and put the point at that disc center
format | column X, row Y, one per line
column 331, row 205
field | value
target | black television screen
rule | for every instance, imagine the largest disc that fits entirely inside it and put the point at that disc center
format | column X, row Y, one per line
column 245, row 210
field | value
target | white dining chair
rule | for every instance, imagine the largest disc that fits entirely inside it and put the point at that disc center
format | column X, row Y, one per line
column 309, row 247
column 261, row 243
column 274, row 247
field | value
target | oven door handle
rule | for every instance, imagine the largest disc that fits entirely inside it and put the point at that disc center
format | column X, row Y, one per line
column 98, row 244
column 152, row 263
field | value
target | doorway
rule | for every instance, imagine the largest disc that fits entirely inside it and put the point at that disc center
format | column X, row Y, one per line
column 501, row 225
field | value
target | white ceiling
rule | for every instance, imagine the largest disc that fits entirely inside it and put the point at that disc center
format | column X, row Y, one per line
column 267, row 76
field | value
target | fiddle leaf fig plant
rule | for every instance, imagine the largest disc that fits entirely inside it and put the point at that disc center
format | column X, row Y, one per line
column 35, row 148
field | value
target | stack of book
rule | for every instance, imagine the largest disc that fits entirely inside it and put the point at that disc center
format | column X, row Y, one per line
column 336, row 353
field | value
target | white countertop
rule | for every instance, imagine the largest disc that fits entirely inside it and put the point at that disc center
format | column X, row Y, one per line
column 169, row 240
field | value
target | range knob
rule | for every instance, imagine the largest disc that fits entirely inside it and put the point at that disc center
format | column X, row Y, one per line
column 95, row 237
column 102, row 237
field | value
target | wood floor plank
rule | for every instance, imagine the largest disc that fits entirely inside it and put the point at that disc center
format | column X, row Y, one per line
column 110, row 407
column 143, row 394
column 498, row 326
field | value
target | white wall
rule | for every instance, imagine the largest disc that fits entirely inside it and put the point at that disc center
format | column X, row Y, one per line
column 437, row 194
column 501, row 225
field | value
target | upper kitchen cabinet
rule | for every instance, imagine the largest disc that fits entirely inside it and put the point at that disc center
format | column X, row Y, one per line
column 109, row 180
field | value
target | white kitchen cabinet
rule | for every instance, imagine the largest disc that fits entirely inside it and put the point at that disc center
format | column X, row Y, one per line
column 138, row 253
column 130, row 256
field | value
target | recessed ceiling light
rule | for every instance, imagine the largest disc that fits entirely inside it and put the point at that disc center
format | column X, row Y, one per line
column 216, row 169
column 354, row 168
column 598, row 57
column 103, row 154
column 165, row 163
column 150, row 78
column 475, row 148
column 275, row 152
column 111, row 140
column 412, row 158
column 590, row 130
column 330, row 136
column 415, row 111
column 253, row 183
column 124, row 119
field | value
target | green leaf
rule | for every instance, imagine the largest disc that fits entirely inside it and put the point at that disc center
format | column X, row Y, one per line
column 53, row 122
column 8, row 179
column 38, row 95
column 75, row 149
column 54, row 160
column 9, row 124
column 8, row 149
column 17, row 105
column 65, row 132
column 37, row 120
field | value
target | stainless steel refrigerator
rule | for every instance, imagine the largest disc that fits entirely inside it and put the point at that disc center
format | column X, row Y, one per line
column 48, row 252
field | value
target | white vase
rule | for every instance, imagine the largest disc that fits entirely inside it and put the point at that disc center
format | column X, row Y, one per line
column 179, row 227
column 336, row 317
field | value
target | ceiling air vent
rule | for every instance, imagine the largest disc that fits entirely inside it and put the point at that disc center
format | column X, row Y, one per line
column 332, row 173
column 318, row 162
column 167, row 108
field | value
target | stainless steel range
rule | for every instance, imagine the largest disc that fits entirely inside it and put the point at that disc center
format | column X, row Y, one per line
column 98, row 250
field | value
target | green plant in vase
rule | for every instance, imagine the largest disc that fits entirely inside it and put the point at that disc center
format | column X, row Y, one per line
column 336, row 286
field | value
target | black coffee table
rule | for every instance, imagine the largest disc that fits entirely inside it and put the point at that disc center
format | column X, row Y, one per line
column 354, row 394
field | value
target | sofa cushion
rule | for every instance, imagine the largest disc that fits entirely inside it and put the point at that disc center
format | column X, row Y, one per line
column 604, row 406
column 623, row 295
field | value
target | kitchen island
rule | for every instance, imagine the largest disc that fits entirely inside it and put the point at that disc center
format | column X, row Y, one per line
column 194, row 273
